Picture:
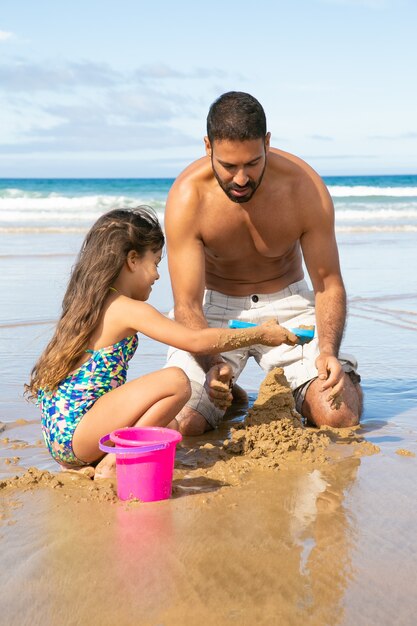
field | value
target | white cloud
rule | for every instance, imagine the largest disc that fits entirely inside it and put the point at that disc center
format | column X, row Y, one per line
column 157, row 71
column 371, row 4
column 408, row 135
column 321, row 137
column 160, row 71
column 92, row 128
column 340, row 156
column 21, row 75
column 68, row 107
column 4, row 35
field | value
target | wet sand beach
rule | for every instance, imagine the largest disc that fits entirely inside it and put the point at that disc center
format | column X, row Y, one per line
column 325, row 536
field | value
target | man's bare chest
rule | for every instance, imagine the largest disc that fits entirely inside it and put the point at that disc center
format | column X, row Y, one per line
column 229, row 235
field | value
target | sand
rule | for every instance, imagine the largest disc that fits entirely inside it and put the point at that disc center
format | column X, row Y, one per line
column 260, row 530
column 328, row 539
column 271, row 436
column 261, row 546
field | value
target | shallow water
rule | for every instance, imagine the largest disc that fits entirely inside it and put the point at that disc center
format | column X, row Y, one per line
column 329, row 544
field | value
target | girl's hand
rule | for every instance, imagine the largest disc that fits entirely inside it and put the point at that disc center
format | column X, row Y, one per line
column 275, row 335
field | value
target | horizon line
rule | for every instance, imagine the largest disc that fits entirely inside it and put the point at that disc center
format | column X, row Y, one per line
column 174, row 177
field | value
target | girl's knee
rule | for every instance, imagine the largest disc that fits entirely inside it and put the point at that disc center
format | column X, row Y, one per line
column 180, row 381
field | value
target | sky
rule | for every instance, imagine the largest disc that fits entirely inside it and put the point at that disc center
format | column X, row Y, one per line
column 98, row 88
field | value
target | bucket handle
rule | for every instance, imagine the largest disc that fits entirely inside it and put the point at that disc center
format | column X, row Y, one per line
column 130, row 449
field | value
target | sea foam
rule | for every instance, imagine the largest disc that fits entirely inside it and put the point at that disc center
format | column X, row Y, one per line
column 344, row 191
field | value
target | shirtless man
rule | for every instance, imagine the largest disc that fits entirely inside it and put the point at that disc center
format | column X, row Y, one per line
column 238, row 222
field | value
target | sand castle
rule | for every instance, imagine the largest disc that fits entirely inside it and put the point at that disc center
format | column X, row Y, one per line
column 273, row 430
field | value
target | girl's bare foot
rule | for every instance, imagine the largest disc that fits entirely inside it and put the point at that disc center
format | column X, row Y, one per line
column 86, row 471
column 106, row 468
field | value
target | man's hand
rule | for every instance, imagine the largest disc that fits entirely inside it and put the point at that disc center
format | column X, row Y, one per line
column 218, row 385
column 331, row 375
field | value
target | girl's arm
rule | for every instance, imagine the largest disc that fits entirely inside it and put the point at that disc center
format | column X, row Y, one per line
column 144, row 318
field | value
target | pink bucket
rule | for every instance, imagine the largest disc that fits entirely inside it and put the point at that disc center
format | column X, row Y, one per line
column 144, row 461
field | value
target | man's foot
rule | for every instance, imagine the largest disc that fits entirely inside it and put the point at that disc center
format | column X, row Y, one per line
column 106, row 468
column 239, row 395
column 191, row 423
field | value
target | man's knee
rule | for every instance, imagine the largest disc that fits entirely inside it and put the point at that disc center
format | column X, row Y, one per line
column 336, row 418
column 191, row 423
column 320, row 412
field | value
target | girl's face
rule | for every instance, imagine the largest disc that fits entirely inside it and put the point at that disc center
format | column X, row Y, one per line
column 145, row 274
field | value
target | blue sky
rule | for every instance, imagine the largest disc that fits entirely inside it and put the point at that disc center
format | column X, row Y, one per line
column 104, row 88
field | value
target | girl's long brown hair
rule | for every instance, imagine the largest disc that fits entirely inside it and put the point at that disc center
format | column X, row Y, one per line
column 101, row 258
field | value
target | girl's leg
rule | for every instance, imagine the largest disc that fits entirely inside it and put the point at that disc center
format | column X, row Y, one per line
column 151, row 400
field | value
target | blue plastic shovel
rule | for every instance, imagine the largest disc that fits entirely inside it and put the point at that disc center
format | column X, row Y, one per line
column 305, row 335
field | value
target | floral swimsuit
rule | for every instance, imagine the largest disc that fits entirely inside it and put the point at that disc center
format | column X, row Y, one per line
column 62, row 409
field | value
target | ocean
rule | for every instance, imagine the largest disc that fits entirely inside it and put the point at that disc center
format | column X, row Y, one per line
column 362, row 203
column 297, row 545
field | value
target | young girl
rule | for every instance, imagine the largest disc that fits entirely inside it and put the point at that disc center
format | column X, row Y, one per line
column 79, row 380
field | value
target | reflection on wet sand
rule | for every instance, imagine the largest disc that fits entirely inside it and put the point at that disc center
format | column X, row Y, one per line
column 276, row 546
column 243, row 539
column 328, row 537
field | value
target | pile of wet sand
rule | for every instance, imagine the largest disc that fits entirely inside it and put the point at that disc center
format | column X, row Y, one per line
column 273, row 431
column 272, row 436
column 74, row 484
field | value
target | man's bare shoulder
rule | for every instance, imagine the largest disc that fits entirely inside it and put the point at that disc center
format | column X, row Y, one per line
column 193, row 179
column 294, row 167
column 307, row 186
column 186, row 198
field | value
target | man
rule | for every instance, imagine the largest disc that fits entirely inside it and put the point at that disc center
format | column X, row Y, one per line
column 238, row 222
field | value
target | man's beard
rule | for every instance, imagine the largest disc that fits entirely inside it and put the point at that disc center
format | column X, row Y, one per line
column 228, row 188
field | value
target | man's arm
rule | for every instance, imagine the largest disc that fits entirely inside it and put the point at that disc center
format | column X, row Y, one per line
column 186, row 263
column 321, row 256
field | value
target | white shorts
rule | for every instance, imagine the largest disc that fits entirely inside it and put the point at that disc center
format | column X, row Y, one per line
column 291, row 307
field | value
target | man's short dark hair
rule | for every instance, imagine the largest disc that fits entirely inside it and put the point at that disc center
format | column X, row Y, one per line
column 236, row 116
